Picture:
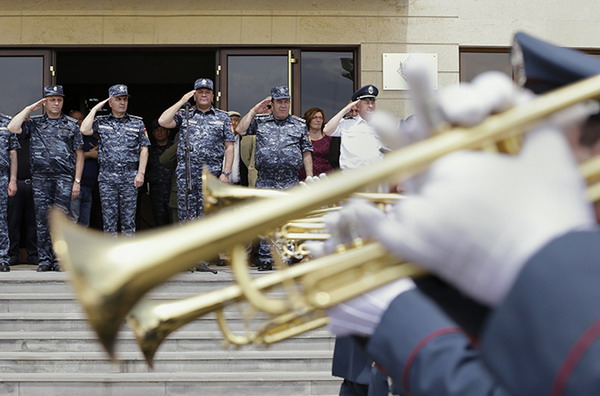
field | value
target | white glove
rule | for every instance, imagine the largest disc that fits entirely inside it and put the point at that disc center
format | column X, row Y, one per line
column 312, row 179
column 481, row 216
column 362, row 314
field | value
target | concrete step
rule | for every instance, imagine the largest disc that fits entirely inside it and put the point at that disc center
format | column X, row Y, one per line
column 249, row 383
column 169, row 362
column 58, row 282
column 49, row 322
column 66, row 302
column 181, row 341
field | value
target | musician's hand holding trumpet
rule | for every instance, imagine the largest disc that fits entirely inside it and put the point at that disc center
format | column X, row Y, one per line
column 477, row 217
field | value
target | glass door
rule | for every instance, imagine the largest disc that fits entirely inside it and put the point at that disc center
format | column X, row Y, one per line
column 23, row 75
column 247, row 76
column 317, row 77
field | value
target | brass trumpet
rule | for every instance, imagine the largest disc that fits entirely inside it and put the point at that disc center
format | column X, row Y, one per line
column 110, row 275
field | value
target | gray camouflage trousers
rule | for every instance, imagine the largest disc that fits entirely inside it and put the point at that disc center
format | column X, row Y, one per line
column 49, row 191
column 118, row 198
column 4, row 241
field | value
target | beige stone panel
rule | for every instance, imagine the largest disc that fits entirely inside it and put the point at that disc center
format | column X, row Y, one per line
column 61, row 30
column 372, row 54
column 399, row 107
column 129, row 30
column 330, row 30
column 429, row 8
column 433, row 30
column 574, row 34
column 497, row 32
column 256, row 7
column 117, row 30
column 576, row 10
column 385, row 29
column 256, row 30
column 284, row 30
column 10, row 30
column 199, row 30
column 448, row 79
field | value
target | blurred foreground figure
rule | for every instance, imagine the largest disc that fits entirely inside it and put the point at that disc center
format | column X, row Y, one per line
column 514, row 233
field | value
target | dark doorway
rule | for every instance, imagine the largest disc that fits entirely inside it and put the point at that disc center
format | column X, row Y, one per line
column 156, row 78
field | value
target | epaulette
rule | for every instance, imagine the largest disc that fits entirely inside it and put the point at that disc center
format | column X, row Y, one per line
column 36, row 116
column 136, row 117
column 71, row 118
column 102, row 116
column 219, row 110
column 262, row 115
column 302, row 120
column 5, row 116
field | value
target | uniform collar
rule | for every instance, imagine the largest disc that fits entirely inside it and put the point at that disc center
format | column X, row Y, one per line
column 211, row 110
column 359, row 119
column 125, row 117
column 271, row 117
column 60, row 117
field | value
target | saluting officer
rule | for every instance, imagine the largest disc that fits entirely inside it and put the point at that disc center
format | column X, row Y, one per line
column 56, row 163
column 210, row 141
column 122, row 156
column 8, row 185
column 282, row 147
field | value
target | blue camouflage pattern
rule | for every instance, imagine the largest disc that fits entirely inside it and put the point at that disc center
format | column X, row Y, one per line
column 204, row 83
column 279, row 148
column 10, row 142
column 159, row 179
column 53, row 142
column 53, row 90
column 278, row 158
column 281, row 92
column 208, row 133
column 48, row 192
column 118, row 90
column 4, row 240
column 120, row 142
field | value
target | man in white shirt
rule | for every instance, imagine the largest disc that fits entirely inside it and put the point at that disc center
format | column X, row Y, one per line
column 360, row 145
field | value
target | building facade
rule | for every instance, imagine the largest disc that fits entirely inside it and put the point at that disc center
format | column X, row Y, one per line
column 322, row 49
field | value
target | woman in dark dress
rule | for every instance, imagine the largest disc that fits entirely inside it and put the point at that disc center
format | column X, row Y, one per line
column 315, row 121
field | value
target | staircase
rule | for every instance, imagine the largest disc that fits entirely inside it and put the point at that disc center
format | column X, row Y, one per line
column 47, row 348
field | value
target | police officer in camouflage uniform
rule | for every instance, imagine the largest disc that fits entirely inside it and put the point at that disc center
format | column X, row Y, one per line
column 56, row 163
column 122, row 156
column 282, row 147
column 210, row 143
column 8, row 185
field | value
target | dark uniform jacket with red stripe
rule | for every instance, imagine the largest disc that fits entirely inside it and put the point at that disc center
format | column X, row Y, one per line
column 544, row 339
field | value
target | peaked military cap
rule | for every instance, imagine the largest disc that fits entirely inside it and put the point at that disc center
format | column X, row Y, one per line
column 204, row 83
column 118, row 90
column 281, row 92
column 54, row 90
column 366, row 92
column 542, row 67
